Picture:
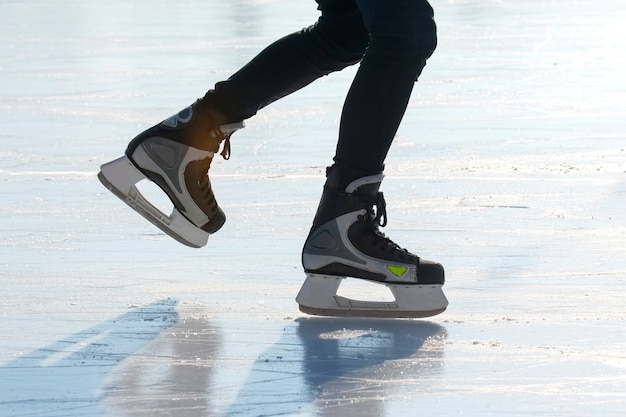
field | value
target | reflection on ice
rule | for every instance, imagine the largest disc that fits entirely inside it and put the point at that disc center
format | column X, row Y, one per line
column 347, row 367
column 78, row 365
column 173, row 376
column 352, row 366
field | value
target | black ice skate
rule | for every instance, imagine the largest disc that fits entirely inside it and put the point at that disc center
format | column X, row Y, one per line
column 345, row 242
column 176, row 155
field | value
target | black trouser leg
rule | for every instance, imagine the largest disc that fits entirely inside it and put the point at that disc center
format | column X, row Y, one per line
column 393, row 38
column 403, row 36
column 338, row 39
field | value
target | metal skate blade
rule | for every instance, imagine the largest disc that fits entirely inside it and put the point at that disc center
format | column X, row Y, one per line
column 379, row 313
column 120, row 176
column 318, row 296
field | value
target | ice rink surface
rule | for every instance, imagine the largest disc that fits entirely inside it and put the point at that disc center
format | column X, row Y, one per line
column 509, row 169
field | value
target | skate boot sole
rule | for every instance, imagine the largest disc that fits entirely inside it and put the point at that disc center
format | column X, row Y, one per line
column 318, row 296
column 120, row 176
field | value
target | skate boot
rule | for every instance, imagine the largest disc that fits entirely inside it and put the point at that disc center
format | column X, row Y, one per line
column 345, row 241
column 176, row 155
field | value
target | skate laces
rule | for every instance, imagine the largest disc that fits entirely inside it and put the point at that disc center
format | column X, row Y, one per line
column 377, row 217
column 226, row 148
column 225, row 132
column 202, row 179
column 216, row 133
column 218, row 136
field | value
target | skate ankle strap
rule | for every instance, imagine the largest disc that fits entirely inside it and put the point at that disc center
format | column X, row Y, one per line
column 356, row 184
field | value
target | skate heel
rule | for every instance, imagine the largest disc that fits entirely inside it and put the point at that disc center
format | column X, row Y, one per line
column 318, row 296
column 120, row 176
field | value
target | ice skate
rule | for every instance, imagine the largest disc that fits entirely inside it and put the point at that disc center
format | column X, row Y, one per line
column 345, row 242
column 176, row 155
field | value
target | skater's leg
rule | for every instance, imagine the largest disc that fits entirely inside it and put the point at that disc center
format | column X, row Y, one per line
column 345, row 240
column 338, row 39
column 176, row 154
column 403, row 36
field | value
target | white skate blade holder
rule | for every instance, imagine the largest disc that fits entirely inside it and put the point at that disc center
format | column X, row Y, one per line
column 318, row 296
column 120, row 177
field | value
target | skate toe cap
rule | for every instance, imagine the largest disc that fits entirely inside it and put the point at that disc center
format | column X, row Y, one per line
column 429, row 272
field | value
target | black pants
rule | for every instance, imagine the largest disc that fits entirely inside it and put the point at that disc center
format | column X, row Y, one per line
column 390, row 38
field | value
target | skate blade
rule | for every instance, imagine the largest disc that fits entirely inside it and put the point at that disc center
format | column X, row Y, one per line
column 120, row 176
column 318, row 296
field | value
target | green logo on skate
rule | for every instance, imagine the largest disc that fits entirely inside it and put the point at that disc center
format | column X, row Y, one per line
column 396, row 270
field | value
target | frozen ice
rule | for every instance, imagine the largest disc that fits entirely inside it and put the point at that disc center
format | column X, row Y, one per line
column 509, row 169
